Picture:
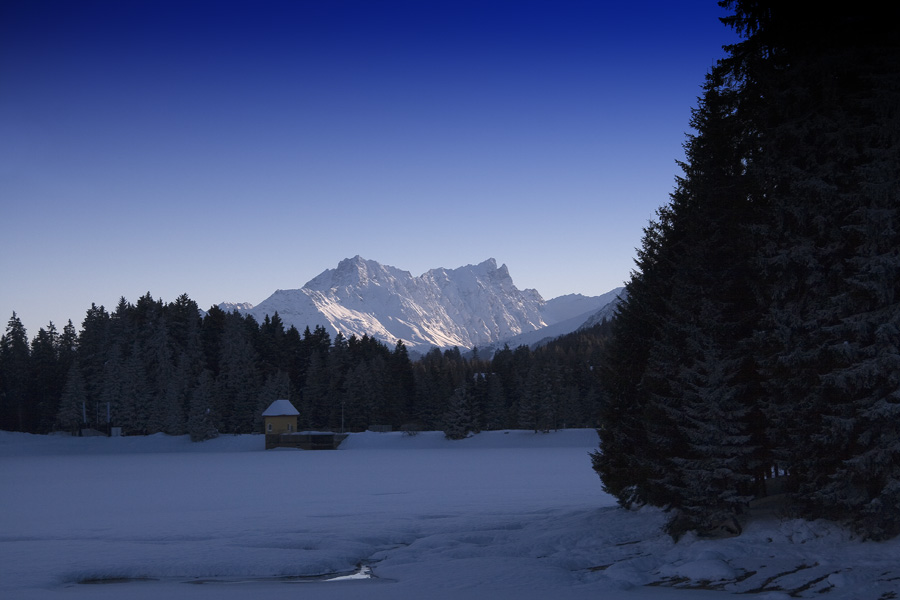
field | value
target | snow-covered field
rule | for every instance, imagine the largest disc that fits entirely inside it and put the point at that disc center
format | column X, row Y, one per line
column 500, row 515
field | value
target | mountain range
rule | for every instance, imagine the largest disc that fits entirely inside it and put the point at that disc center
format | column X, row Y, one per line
column 475, row 305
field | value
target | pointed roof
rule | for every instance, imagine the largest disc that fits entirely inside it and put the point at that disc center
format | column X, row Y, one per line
column 281, row 408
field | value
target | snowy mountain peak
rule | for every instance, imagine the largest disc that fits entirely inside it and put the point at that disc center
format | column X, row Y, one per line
column 235, row 306
column 490, row 265
column 355, row 272
column 473, row 305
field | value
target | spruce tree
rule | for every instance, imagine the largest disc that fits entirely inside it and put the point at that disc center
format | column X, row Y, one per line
column 759, row 334
column 164, row 414
column 457, row 420
column 537, row 407
column 400, row 384
column 112, row 391
column 93, row 344
column 238, row 380
column 14, row 367
column 200, row 422
column 316, row 404
column 46, row 379
column 829, row 347
column 133, row 414
column 359, row 406
column 72, row 402
column 495, row 403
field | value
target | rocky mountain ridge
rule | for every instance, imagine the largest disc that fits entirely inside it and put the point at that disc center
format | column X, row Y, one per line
column 475, row 305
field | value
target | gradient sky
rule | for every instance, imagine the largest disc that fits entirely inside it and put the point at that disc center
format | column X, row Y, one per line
column 229, row 149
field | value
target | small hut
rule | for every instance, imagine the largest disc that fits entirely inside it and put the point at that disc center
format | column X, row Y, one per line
column 280, row 417
column 281, row 430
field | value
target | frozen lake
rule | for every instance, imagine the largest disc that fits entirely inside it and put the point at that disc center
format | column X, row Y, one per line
column 500, row 515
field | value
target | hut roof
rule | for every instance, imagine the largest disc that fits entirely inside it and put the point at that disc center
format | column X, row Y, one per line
column 281, row 408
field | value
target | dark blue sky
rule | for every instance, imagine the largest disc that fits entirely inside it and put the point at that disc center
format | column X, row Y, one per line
column 227, row 149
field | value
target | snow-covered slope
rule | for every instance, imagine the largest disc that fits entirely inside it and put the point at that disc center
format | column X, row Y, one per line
column 601, row 307
column 474, row 305
column 571, row 306
column 608, row 311
column 238, row 306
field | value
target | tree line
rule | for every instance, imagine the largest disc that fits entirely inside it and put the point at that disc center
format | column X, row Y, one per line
column 758, row 350
column 152, row 366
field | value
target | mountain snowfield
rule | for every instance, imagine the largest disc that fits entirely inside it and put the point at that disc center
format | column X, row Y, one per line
column 475, row 305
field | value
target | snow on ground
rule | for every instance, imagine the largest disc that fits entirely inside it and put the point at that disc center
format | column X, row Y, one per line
column 499, row 515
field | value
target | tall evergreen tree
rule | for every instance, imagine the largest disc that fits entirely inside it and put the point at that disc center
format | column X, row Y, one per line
column 760, row 325
column 73, row 400
column 14, row 366
column 112, row 391
column 458, row 421
column 67, row 346
column 829, row 347
column 133, row 413
column 495, row 403
column 93, row 344
column 46, row 379
column 316, row 403
column 537, row 404
column 200, row 423
column 238, row 380
column 400, row 384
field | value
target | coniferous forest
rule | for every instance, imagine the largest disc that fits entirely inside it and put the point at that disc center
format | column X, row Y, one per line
column 758, row 350
column 154, row 367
